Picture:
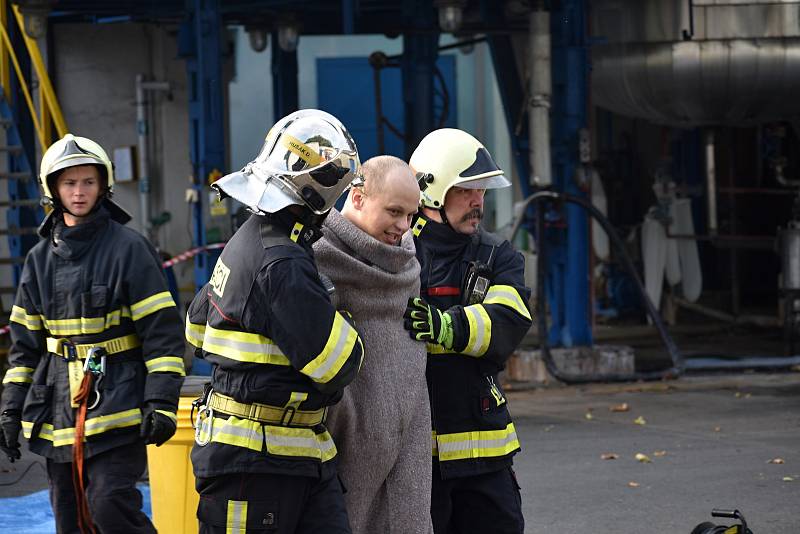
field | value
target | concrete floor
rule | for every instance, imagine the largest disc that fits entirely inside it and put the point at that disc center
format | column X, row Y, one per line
column 718, row 434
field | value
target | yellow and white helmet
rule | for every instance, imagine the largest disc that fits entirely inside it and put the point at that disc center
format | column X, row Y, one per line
column 308, row 159
column 449, row 158
column 71, row 151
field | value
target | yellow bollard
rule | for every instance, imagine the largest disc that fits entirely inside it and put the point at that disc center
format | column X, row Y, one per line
column 172, row 494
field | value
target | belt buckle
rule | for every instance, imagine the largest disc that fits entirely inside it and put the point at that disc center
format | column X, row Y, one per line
column 66, row 349
column 288, row 410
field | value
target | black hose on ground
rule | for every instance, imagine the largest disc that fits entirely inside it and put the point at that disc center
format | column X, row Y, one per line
column 675, row 356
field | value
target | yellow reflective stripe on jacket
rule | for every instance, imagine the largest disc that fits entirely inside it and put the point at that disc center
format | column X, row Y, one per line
column 171, row 415
column 340, row 345
column 194, row 333
column 480, row 330
column 96, row 425
column 19, row 375
column 165, row 364
column 152, row 304
column 418, row 226
column 242, row 346
column 507, row 296
column 86, row 325
column 20, row 316
column 477, row 444
column 281, row 441
column 236, row 522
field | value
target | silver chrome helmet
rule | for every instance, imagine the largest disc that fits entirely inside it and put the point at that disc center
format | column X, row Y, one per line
column 308, row 159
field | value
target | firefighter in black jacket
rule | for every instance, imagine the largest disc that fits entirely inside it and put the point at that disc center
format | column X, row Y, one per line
column 281, row 353
column 96, row 355
column 473, row 313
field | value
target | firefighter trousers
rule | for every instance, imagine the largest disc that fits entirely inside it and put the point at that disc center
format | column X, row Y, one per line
column 114, row 502
column 274, row 504
column 477, row 504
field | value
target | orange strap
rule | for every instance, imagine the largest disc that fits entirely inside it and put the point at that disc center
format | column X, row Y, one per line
column 85, row 523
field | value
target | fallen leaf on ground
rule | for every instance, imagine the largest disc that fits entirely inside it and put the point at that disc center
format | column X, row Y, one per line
column 589, row 416
column 548, row 428
column 639, row 421
column 642, row 458
column 659, row 454
column 717, row 428
column 776, row 461
column 748, row 395
column 737, row 394
column 788, row 479
column 620, row 407
column 609, row 456
column 633, row 484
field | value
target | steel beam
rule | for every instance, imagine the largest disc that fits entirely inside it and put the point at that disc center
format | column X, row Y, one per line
column 201, row 45
column 418, row 64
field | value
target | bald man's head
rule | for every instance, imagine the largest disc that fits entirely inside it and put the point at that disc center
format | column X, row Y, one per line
column 384, row 204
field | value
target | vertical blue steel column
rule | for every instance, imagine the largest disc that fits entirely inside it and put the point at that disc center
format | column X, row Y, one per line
column 284, row 80
column 24, row 214
column 201, row 45
column 568, row 247
column 420, row 49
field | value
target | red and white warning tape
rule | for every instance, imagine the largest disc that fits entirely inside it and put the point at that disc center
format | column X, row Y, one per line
column 183, row 256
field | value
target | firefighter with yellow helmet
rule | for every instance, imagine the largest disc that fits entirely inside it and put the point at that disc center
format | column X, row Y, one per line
column 281, row 353
column 96, row 358
column 473, row 312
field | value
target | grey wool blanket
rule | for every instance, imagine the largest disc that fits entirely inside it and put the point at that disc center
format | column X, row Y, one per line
column 382, row 425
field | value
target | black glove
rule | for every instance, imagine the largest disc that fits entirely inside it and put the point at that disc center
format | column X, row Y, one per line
column 427, row 323
column 157, row 426
column 10, row 426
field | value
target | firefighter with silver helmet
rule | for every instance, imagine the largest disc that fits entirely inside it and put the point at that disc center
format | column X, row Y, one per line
column 281, row 353
column 96, row 358
column 473, row 312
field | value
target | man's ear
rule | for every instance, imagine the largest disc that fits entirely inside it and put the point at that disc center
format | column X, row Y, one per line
column 357, row 198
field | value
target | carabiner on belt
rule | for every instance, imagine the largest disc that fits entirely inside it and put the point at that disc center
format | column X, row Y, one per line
column 96, row 364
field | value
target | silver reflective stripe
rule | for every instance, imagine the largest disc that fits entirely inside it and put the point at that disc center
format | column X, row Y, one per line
column 477, row 444
column 478, row 328
column 507, row 296
column 299, row 442
column 237, row 517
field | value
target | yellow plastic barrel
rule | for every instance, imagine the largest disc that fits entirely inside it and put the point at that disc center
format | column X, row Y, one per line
column 172, row 494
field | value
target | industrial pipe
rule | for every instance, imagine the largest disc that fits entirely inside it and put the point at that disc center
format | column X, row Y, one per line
column 142, row 129
column 540, row 90
column 674, row 354
column 711, row 182
column 679, row 365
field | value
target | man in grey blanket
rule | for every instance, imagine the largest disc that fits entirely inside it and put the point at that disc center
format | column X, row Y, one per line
column 382, row 424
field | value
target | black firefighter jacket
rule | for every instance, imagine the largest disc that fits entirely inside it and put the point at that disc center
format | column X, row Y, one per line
column 98, row 283
column 472, row 429
column 266, row 323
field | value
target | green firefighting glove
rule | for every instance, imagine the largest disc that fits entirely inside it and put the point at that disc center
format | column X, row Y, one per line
column 427, row 323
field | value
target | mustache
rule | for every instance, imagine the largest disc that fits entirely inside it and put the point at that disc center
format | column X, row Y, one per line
column 477, row 213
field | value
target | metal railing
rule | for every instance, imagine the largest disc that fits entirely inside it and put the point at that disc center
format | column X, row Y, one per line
column 49, row 113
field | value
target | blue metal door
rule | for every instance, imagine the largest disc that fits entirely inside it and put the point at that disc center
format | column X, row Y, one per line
column 346, row 89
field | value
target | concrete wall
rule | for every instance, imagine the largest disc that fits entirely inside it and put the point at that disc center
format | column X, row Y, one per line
column 95, row 70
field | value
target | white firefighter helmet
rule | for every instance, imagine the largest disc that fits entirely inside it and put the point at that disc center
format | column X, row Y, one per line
column 451, row 157
column 308, row 159
column 71, row 151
